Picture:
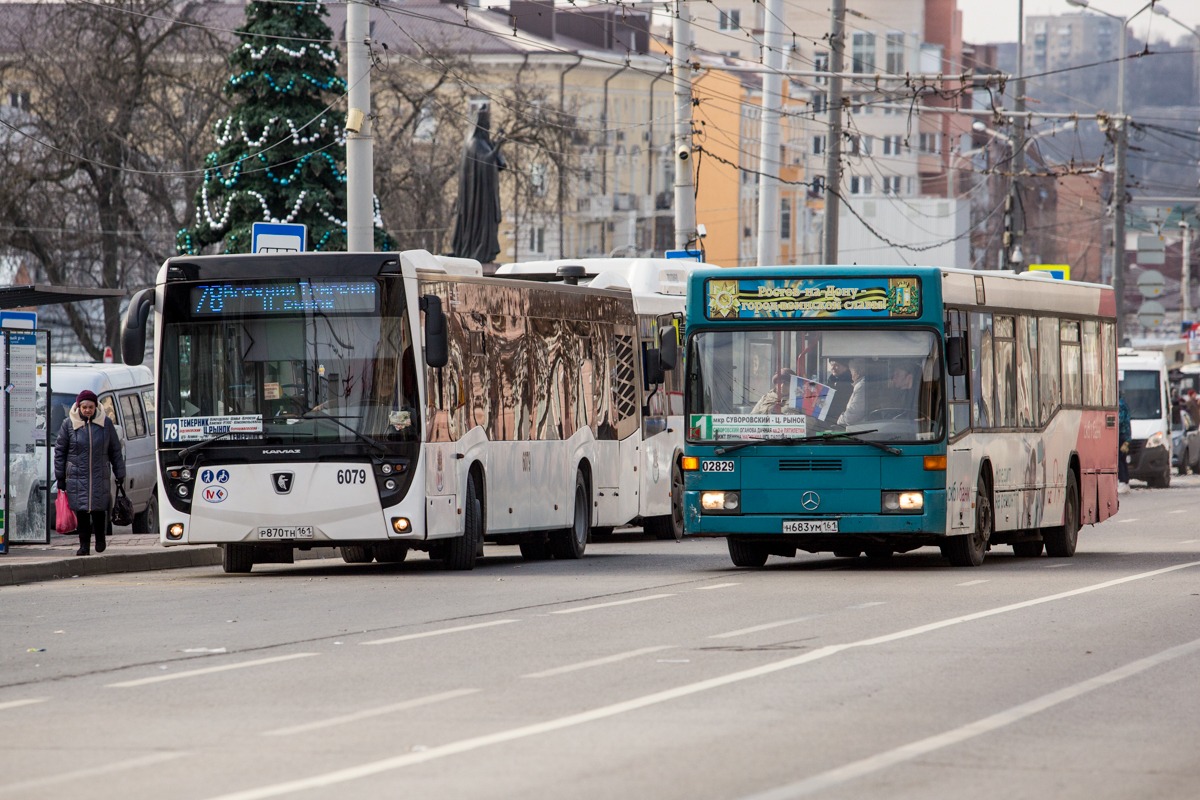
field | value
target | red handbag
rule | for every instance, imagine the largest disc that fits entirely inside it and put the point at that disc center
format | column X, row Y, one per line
column 64, row 517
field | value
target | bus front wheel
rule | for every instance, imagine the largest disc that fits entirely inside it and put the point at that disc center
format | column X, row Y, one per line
column 462, row 550
column 237, row 557
column 746, row 554
column 968, row 549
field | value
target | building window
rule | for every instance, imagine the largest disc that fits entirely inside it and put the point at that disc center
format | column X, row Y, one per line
column 19, row 100
column 785, row 219
column 537, row 180
column 895, row 53
column 863, row 53
column 891, row 145
column 818, row 145
column 817, row 187
column 891, row 184
column 730, row 20
column 930, row 143
column 537, row 239
column 860, row 185
column 821, row 64
column 819, row 103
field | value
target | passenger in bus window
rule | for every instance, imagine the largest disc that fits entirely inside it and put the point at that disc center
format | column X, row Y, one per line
column 773, row 402
column 838, row 378
column 856, row 409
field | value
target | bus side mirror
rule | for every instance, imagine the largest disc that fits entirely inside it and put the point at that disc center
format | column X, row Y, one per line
column 654, row 367
column 436, row 344
column 668, row 348
column 956, row 356
column 133, row 331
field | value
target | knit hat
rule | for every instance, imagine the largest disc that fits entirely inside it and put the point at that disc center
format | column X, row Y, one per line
column 86, row 394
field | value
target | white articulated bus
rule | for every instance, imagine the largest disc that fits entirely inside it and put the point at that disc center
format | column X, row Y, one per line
column 659, row 292
column 381, row 402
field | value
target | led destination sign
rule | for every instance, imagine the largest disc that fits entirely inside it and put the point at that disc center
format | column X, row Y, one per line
column 292, row 297
column 820, row 298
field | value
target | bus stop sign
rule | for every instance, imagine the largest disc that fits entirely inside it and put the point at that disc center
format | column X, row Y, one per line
column 275, row 237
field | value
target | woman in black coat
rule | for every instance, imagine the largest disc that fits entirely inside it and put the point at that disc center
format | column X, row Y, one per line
column 87, row 444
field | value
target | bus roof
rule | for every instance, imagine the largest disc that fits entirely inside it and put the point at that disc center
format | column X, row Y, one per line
column 648, row 279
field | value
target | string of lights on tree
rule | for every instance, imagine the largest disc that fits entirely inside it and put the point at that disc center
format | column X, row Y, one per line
column 276, row 169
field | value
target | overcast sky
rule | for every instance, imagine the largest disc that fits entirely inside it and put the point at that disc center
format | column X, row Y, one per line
column 996, row 20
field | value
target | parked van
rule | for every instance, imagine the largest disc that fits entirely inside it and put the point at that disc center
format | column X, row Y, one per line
column 1143, row 380
column 127, row 394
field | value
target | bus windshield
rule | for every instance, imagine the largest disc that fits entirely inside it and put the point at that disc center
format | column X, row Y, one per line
column 301, row 374
column 744, row 385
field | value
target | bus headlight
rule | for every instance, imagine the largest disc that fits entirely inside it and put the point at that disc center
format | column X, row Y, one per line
column 182, row 490
column 903, row 502
column 718, row 502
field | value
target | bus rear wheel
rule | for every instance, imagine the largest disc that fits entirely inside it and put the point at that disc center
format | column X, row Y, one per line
column 1061, row 541
column 572, row 541
column 746, row 554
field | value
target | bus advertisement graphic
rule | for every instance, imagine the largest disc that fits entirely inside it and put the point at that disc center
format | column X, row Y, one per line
column 870, row 298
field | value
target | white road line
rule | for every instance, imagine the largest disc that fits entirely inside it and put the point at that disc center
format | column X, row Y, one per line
column 716, row 586
column 1055, row 566
column 973, row 583
column 19, row 703
column 922, row 747
column 597, row 662
column 427, row 634
column 1180, row 511
column 90, row 772
column 577, row 609
column 1131, row 519
column 370, row 712
column 764, row 627
column 1190, row 541
column 645, row 701
column 868, row 605
column 191, row 673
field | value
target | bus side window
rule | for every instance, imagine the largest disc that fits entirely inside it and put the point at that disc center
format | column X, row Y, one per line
column 960, row 401
column 982, row 371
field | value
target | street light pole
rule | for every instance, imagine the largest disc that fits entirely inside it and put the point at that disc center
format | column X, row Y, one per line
column 1185, row 274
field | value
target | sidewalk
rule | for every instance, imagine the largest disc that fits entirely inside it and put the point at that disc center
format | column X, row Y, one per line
column 126, row 552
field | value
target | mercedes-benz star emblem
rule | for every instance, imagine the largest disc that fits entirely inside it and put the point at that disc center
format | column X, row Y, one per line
column 810, row 500
column 282, row 482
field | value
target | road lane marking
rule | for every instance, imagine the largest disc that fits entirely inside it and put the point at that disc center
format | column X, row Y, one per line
column 1054, row 566
column 923, row 747
column 370, row 712
column 868, row 605
column 577, row 609
column 90, row 772
column 427, row 634
column 1180, row 511
column 1131, row 519
column 1190, row 541
column 973, row 583
column 597, row 662
column 716, row 586
column 19, row 703
column 763, row 627
column 656, row 698
column 192, row 673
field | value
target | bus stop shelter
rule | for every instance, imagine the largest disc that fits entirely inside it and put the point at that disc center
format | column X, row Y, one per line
column 24, row 410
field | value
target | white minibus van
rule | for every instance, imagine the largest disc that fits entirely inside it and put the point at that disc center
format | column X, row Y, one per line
column 1143, row 381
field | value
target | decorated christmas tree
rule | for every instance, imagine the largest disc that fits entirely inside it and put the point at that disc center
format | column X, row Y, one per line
column 280, row 156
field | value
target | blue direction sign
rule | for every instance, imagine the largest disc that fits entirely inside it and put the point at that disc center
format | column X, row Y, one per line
column 278, row 237
column 687, row 255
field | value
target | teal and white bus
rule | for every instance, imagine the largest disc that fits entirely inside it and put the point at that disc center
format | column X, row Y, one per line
column 876, row 410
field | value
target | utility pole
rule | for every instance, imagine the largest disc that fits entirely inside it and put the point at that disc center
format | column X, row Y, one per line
column 833, row 147
column 1185, row 275
column 360, row 169
column 1015, row 216
column 685, row 183
column 1118, row 282
column 768, row 160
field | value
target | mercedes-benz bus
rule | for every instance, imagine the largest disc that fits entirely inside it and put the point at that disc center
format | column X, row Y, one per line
column 876, row 410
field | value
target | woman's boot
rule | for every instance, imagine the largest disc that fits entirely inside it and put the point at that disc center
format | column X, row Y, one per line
column 100, row 543
column 85, row 545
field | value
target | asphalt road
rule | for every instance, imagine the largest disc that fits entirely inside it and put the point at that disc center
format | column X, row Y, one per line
column 646, row 670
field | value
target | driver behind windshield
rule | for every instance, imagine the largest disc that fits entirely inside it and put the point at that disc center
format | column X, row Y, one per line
column 857, row 408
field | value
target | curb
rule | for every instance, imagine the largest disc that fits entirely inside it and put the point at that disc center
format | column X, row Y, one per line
column 113, row 563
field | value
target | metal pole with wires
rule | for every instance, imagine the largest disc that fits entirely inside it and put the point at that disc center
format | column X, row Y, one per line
column 685, row 183
column 768, row 160
column 833, row 147
column 360, row 168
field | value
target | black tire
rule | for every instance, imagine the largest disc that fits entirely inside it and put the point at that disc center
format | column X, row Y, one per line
column 1027, row 549
column 670, row 526
column 390, row 552
column 746, row 554
column 571, row 542
column 356, row 555
column 847, row 552
column 1162, row 480
column 1061, row 541
column 967, row 550
column 461, row 551
column 237, row 557
column 147, row 520
column 537, row 548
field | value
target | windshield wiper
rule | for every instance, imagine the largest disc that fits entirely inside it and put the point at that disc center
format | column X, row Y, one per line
column 376, row 446
column 187, row 451
column 850, row 436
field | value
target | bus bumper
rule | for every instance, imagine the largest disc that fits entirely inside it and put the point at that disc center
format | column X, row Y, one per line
column 928, row 524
